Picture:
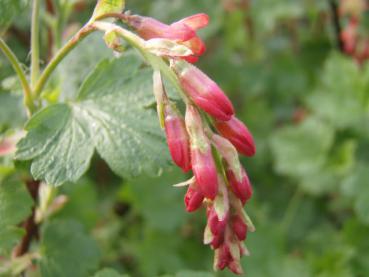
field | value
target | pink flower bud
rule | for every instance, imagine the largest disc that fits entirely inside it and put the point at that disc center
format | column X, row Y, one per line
column 217, row 241
column 193, row 198
column 238, row 134
column 203, row 165
column 216, row 226
column 197, row 47
column 241, row 187
column 177, row 137
column 149, row 28
column 204, row 169
column 203, row 91
column 223, row 258
column 196, row 21
column 239, row 227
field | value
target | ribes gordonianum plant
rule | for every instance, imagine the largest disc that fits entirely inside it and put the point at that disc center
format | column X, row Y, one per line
column 116, row 121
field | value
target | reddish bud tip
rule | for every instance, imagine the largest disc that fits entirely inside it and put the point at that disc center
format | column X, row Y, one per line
column 177, row 138
column 241, row 187
column 237, row 133
column 239, row 227
column 193, row 199
column 196, row 21
column 203, row 91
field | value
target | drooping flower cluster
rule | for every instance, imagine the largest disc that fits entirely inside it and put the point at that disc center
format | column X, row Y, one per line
column 355, row 42
column 207, row 140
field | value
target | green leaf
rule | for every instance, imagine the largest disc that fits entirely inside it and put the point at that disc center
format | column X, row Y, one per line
column 108, row 272
column 108, row 6
column 302, row 150
column 9, row 9
column 11, row 110
column 340, row 99
column 67, row 251
column 79, row 63
column 15, row 206
column 189, row 273
column 111, row 116
column 160, row 204
column 356, row 186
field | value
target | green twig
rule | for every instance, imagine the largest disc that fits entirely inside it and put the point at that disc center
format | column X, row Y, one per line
column 82, row 33
column 21, row 75
column 35, row 45
column 156, row 62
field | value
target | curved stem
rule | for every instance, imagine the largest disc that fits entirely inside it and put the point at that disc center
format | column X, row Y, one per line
column 82, row 33
column 35, row 46
column 21, row 75
column 156, row 62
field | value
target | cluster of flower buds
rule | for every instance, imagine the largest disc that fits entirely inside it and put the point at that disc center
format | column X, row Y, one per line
column 207, row 140
column 354, row 42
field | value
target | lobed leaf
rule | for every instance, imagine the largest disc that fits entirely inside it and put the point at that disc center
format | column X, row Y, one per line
column 111, row 115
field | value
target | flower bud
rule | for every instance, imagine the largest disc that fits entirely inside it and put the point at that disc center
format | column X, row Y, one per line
column 193, row 198
column 238, row 134
column 203, row 91
column 241, row 187
column 239, row 227
column 203, row 165
column 195, row 22
column 177, row 137
column 222, row 257
column 216, row 226
column 149, row 28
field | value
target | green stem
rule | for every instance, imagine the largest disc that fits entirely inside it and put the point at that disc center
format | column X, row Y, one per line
column 156, row 62
column 35, row 45
column 21, row 75
column 82, row 33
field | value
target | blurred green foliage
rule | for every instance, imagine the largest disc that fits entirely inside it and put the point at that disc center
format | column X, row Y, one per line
column 307, row 105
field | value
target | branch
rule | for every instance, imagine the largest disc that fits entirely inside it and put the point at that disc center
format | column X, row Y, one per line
column 35, row 46
column 69, row 46
column 28, row 101
column 336, row 24
column 29, row 225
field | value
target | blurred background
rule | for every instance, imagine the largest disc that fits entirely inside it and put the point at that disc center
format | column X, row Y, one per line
column 298, row 75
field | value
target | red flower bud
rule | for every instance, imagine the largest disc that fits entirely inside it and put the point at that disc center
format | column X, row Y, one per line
column 240, row 186
column 238, row 134
column 203, row 165
column 239, row 227
column 216, row 226
column 217, row 241
column 204, row 169
column 193, row 198
column 177, row 138
column 203, row 91
column 224, row 257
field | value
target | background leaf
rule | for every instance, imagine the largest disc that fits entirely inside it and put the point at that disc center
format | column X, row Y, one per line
column 67, row 251
column 15, row 206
